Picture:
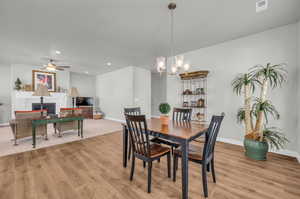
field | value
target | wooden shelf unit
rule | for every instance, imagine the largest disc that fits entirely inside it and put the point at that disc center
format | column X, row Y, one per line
column 194, row 93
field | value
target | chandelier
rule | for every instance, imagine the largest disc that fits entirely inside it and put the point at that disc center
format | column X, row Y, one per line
column 177, row 62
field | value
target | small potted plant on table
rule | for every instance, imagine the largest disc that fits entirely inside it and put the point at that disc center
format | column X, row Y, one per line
column 164, row 109
column 259, row 138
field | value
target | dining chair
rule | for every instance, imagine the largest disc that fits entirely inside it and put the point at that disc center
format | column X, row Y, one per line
column 142, row 148
column 132, row 111
column 180, row 115
column 203, row 156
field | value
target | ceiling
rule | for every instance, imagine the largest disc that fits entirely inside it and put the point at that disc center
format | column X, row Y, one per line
column 90, row 33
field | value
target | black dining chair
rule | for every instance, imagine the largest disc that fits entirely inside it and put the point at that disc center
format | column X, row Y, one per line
column 132, row 111
column 142, row 148
column 180, row 115
column 203, row 156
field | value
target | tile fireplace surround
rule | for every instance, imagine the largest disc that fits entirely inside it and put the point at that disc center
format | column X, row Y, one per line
column 22, row 101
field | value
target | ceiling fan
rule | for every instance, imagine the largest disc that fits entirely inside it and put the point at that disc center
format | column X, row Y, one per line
column 51, row 66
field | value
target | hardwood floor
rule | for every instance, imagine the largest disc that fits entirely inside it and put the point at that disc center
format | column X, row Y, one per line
column 92, row 168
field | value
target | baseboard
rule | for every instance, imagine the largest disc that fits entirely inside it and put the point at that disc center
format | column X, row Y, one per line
column 298, row 157
column 282, row 152
column 114, row 119
column 4, row 124
column 155, row 116
column 230, row 141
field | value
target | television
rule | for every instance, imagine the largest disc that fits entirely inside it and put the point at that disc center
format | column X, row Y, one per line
column 84, row 101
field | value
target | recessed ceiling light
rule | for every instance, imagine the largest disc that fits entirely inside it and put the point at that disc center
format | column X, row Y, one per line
column 86, row 72
column 57, row 52
column 261, row 5
column 108, row 63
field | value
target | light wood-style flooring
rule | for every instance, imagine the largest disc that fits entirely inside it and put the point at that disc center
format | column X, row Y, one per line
column 92, row 168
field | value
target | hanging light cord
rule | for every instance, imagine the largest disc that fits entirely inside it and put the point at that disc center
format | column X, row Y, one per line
column 172, row 37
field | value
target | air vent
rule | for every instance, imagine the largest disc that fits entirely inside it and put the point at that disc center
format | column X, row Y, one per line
column 261, row 5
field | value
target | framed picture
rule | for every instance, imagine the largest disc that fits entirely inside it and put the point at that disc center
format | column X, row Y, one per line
column 46, row 78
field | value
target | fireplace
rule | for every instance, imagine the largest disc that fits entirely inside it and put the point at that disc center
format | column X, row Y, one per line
column 51, row 107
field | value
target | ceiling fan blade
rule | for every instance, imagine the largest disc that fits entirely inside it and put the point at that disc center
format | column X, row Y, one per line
column 49, row 58
column 59, row 68
column 64, row 66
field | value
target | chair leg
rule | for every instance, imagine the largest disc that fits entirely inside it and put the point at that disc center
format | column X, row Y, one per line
column 204, row 180
column 175, row 162
column 129, row 151
column 208, row 167
column 144, row 164
column 149, row 176
column 169, row 164
column 132, row 167
column 213, row 170
column 15, row 142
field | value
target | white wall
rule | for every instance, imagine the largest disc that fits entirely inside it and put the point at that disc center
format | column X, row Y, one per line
column 115, row 91
column 126, row 87
column 226, row 60
column 142, row 90
column 85, row 84
column 158, row 91
column 5, row 88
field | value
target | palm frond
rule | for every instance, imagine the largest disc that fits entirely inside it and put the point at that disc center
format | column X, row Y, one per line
column 275, row 74
column 243, row 80
column 266, row 107
column 275, row 138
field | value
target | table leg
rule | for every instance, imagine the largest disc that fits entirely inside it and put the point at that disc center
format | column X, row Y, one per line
column 125, row 146
column 78, row 128
column 33, row 136
column 54, row 125
column 185, row 169
column 81, row 126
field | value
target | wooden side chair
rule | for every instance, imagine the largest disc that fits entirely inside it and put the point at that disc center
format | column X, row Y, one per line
column 68, row 126
column 22, row 126
column 180, row 115
column 204, row 156
column 141, row 147
column 132, row 111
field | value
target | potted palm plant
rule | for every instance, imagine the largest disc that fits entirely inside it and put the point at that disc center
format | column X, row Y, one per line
column 164, row 109
column 255, row 115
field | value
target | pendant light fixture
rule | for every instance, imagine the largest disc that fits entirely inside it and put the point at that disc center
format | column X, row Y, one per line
column 177, row 62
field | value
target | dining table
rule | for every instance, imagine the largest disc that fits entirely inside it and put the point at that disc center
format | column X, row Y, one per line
column 180, row 132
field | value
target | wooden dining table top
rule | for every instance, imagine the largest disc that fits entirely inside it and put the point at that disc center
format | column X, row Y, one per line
column 183, row 130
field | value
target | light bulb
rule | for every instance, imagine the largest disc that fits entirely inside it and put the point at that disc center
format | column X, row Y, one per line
column 186, row 67
column 161, row 64
column 174, row 69
column 179, row 60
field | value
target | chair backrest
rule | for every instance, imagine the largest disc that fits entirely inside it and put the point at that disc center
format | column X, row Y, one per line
column 132, row 111
column 71, row 111
column 138, row 134
column 30, row 114
column 212, row 134
column 182, row 114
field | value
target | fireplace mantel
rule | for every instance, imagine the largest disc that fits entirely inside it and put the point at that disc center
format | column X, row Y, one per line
column 22, row 101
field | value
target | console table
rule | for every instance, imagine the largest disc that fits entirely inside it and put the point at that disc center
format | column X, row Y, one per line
column 54, row 120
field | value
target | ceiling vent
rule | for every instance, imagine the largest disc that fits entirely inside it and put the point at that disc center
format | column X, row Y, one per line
column 261, row 5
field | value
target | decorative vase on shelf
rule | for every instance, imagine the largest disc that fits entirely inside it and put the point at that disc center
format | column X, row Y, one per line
column 18, row 84
column 164, row 109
